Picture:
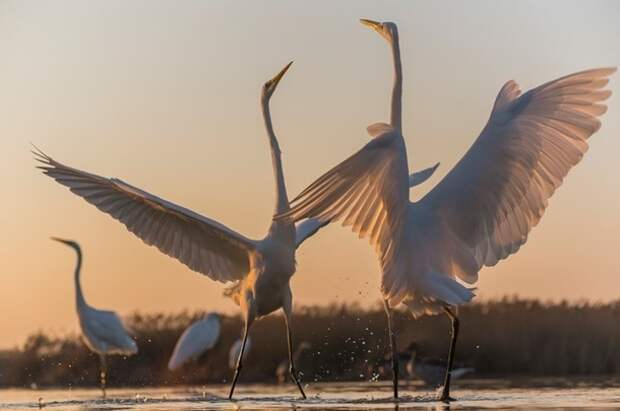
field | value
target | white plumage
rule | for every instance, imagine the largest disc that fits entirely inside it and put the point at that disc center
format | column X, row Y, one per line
column 197, row 339
column 103, row 332
column 260, row 269
column 417, row 178
column 482, row 210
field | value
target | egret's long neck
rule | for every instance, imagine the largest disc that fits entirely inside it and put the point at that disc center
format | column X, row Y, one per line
column 79, row 296
column 282, row 203
column 397, row 90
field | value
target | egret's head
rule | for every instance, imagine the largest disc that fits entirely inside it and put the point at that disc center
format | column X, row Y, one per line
column 70, row 243
column 270, row 86
column 387, row 30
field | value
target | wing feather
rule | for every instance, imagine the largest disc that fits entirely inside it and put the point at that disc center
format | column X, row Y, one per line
column 368, row 191
column 490, row 201
column 307, row 229
column 105, row 332
column 200, row 243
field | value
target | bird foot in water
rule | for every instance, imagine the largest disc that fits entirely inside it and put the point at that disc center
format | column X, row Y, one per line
column 445, row 398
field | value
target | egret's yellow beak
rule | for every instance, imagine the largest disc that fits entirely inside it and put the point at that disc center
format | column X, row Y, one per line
column 278, row 77
column 375, row 25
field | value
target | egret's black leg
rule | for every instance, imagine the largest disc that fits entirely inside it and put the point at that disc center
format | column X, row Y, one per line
column 103, row 373
column 239, row 361
column 392, row 337
column 291, row 361
column 445, row 393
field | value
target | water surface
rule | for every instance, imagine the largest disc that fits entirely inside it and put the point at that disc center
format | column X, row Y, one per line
column 520, row 393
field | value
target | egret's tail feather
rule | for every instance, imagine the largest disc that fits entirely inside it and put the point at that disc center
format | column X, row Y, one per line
column 435, row 292
column 446, row 289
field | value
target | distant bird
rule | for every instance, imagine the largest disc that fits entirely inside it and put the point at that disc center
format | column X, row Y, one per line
column 102, row 331
column 482, row 210
column 235, row 351
column 413, row 364
column 430, row 370
column 260, row 269
column 197, row 339
column 283, row 368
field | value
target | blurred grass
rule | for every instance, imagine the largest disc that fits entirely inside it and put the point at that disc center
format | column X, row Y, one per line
column 505, row 337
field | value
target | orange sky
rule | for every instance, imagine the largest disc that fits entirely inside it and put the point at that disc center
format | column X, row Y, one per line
column 165, row 96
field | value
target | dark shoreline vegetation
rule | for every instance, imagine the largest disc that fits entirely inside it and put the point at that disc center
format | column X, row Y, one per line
column 503, row 337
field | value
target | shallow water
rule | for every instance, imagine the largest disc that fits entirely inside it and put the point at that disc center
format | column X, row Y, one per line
column 471, row 394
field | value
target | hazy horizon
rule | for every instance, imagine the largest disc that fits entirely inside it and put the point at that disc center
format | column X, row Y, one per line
column 165, row 96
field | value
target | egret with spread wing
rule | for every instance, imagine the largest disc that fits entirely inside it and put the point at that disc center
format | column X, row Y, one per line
column 260, row 269
column 482, row 210
column 102, row 331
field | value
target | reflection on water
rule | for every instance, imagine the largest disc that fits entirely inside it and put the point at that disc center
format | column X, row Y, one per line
column 472, row 394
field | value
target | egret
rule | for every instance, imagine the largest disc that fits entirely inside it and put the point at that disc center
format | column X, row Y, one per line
column 284, row 364
column 197, row 339
column 102, row 331
column 480, row 212
column 260, row 269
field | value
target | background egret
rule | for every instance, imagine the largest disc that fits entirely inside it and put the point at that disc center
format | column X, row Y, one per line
column 102, row 331
column 197, row 339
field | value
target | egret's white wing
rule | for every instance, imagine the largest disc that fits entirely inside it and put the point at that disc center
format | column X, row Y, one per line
column 195, row 340
column 307, row 229
column 484, row 208
column 202, row 244
column 421, row 176
column 368, row 191
column 235, row 349
column 105, row 333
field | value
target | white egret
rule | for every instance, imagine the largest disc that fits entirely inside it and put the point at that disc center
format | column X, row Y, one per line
column 235, row 351
column 260, row 269
column 482, row 210
column 102, row 331
column 281, row 369
column 197, row 339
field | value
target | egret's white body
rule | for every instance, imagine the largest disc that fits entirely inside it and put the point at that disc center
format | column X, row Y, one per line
column 197, row 339
column 260, row 269
column 482, row 210
column 235, row 351
column 102, row 331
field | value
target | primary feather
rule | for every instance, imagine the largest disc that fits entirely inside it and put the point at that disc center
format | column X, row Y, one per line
column 202, row 244
column 484, row 208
